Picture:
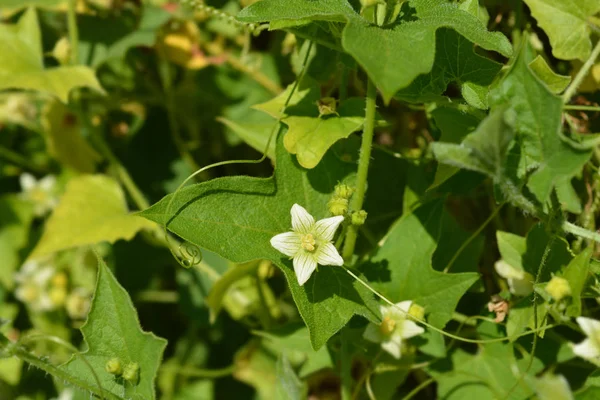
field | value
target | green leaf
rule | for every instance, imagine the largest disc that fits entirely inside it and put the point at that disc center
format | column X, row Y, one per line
column 394, row 56
column 404, row 264
column 538, row 125
column 296, row 339
column 482, row 151
column 209, row 215
column 455, row 61
column 492, row 373
column 255, row 134
column 289, row 386
column 566, row 24
column 310, row 137
column 112, row 330
column 23, row 67
column 576, row 273
column 454, row 126
column 92, row 210
column 15, row 219
column 297, row 10
column 511, row 247
column 556, row 83
column 64, row 139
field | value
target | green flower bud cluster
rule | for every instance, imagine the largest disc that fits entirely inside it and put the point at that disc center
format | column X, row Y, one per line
column 338, row 204
column 130, row 373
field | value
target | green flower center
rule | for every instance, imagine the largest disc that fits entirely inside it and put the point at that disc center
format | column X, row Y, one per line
column 387, row 326
column 308, row 242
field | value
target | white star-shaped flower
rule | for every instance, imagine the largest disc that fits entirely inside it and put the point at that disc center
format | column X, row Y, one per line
column 589, row 349
column 39, row 192
column 394, row 328
column 309, row 242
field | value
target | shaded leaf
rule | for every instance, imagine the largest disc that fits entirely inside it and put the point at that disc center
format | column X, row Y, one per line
column 455, row 61
column 482, row 151
column 394, row 56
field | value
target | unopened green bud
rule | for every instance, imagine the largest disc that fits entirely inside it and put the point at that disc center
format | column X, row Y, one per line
column 338, row 205
column 359, row 217
column 416, row 311
column 114, row 367
column 62, row 50
column 131, row 373
column 343, row 190
column 558, row 288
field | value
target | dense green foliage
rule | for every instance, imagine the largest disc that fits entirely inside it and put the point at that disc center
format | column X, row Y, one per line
column 291, row 199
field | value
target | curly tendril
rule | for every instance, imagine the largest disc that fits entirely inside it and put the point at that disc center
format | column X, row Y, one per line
column 189, row 254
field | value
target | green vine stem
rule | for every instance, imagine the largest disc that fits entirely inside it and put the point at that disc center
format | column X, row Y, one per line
column 581, row 74
column 363, row 168
column 576, row 107
column 73, row 31
column 345, row 366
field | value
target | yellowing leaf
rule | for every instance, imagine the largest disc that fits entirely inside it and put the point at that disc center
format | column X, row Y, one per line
column 65, row 143
column 22, row 64
column 565, row 23
column 92, row 210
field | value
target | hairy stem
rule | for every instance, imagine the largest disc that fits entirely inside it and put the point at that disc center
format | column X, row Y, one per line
column 363, row 168
column 581, row 74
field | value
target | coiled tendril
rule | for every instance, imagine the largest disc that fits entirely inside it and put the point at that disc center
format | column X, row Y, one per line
column 189, row 254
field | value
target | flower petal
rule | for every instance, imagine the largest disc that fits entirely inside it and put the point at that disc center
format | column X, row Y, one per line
column 410, row 329
column 373, row 334
column 289, row 243
column 325, row 228
column 507, row 271
column 394, row 347
column 327, row 254
column 47, row 183
column 27, row 181
column 589, row 326
column 404, row 305
column 587, row 349
column 304, row 266
column 302, row 221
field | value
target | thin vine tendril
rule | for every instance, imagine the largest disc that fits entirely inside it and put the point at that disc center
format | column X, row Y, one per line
column 190, row 254
column 441, row 331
